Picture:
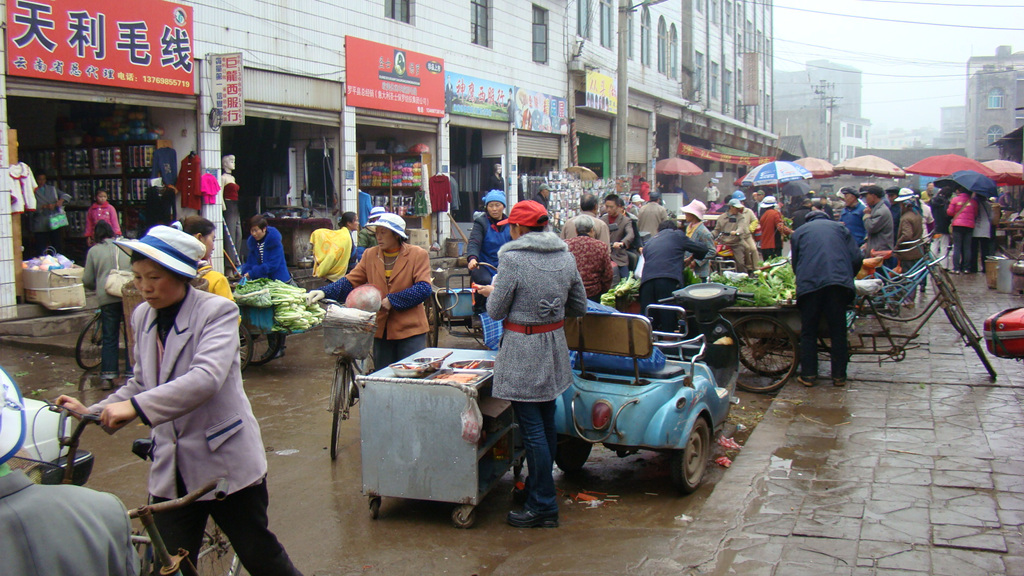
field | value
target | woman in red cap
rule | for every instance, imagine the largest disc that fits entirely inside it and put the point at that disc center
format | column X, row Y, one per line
column 537, row 286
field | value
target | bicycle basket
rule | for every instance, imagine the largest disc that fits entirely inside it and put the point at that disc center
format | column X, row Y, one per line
column 38, row 471
column 349, row 332
column 258, row 320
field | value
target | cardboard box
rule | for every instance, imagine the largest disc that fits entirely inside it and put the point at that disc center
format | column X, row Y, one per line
column 63, row 298
column 44, row 279
column 419, row 237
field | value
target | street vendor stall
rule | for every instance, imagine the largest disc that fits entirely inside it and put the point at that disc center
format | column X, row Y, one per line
column 438, row 435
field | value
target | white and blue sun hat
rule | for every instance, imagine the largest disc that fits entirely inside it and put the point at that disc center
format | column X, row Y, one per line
column 392, row 222
column 168, row 247
column 12, row 418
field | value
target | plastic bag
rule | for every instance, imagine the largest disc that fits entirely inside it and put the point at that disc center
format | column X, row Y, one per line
column 472, row 421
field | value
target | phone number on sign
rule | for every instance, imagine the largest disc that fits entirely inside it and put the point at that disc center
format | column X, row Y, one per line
column 167, row 81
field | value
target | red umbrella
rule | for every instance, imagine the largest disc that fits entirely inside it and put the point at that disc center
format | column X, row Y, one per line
column 1007, row 173
column 819, row 168
column 946, row 164
column 677, row 166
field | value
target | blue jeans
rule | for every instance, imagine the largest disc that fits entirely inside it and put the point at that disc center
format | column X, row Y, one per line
column 110, row 321
column 537, row 425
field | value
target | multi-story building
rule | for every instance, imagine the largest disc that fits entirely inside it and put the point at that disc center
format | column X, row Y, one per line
column 319, row 100
column 995, row 96
column 952, row 127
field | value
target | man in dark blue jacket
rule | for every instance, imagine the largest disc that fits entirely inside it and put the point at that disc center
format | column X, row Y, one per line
column 853, row 214
column 825, row 259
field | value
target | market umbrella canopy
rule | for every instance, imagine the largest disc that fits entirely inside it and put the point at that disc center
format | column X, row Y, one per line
column 818, row 168
column 947, row 164
column 775, row 173
column 973, row 181
column 869, row 165
column 795, row 188
column 677, row 166
column 582, row 172
column 1007, row 172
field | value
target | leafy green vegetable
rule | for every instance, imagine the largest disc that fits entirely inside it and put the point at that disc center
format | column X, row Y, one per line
column 771, row 284
column 627, row 288
column 291, row 313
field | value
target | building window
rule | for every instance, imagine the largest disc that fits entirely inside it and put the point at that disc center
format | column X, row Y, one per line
column 397, row 10
column 767, row 107
column 994, row 133
column 698, row 72
column 739, row 13
column 645, row 37
column 607, row 23
column 629, row 33
column 662, row 46
column 727, row 88
column 540, row 35
column 860, row 131
column 739, row 87
column 714, row 80
column 995, row 99
column 727, row 9
column 749, row 36
column 700, row 5
column 673, row 50
column 713, row 12
column 583, row 19
column 479, row 22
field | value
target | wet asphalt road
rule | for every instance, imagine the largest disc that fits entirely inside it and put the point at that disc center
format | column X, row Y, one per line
column 319, row 513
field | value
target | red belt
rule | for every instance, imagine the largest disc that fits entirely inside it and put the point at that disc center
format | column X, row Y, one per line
column 539, row 329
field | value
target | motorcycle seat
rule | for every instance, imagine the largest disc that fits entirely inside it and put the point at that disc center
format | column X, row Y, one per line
column 672, row 369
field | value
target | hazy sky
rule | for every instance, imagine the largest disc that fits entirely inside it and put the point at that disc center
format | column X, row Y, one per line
column 909, row 70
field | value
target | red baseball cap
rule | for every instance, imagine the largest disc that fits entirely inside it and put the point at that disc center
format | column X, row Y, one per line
column 527, row 213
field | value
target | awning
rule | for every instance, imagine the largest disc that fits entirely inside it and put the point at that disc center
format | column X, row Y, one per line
column 742, row 159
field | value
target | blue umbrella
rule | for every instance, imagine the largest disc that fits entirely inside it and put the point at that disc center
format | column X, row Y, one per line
column 776, row 173
column 973, row 181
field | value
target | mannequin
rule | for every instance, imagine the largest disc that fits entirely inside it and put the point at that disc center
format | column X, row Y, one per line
column 495, row 181
column 230, row 192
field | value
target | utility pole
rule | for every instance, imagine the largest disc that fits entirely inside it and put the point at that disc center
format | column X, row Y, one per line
column 828, row 103
column 622, row 76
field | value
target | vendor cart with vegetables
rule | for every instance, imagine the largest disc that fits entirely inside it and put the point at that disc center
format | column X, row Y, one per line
column 270, row 310
column 430, row 430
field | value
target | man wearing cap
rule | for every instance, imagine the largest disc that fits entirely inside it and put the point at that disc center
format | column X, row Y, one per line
column 877, row 222
column 588, row 207
column 909, row 233
column 485, row 240
column 825, row 259
column 55, row 529
column 651, row 214
column 634, row 205
column 852, row 215
column 733, row 230
column 890, row 200
column 537, row 287
column 772, row 228
column 543, row 196
column 799, row 215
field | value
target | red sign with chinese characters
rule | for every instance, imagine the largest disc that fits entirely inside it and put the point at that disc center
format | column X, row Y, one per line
column 142, row 44
column 695, row 152
column 384, row 77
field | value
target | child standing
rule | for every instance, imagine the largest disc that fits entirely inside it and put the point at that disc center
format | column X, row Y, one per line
column 101, row 210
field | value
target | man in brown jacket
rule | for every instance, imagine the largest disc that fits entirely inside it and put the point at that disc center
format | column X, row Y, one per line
column 910, row 231
column 620, row 228
column 733, row 230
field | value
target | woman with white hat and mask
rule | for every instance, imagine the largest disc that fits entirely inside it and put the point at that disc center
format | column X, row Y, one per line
column 187, row 386
column 693, row 215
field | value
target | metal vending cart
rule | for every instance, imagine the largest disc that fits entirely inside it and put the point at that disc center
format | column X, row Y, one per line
column 412, row 443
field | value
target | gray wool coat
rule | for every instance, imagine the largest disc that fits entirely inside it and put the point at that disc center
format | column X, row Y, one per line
column 537, row 283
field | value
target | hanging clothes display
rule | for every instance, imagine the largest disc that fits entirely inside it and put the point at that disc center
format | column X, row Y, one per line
column 209, row 187
column 188, row 182
column 164, row 161
column 440, row 193
column 23, row 188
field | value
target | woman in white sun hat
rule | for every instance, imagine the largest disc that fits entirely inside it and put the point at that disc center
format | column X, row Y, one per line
column 401, row 272
column 187, row 386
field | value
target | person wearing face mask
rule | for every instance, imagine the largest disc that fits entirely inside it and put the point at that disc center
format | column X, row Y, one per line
column 485, row 240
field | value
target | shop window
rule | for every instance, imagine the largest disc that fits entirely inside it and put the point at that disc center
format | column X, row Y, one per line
column 398, row 10
column 480, row 22
column 662, row 46
column 540, row 35
column 645, row 37
column 996, row 99
column 714, row 80
column 583, row 19
column 673, row 50
column 698, row 72
column 607, row 22
column 994, row 133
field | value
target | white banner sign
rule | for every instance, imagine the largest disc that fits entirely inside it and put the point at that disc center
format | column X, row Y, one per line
column 227, row 88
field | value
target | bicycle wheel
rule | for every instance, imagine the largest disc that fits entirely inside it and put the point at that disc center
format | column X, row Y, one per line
column 769, row 349
column 89, row 348
column 265, row 348
column 216, row 556
column 341, row 398
column 969, row 334
column 245, row 346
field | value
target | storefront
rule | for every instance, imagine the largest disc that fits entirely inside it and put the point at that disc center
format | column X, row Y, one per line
column 596, row 106
column 94, row 116
column 398, row 98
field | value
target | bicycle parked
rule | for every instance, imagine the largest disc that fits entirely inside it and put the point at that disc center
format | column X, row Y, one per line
column 348, row 335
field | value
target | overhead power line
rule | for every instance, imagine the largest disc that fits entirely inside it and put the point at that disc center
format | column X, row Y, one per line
column 908, row 2
column 897, row 21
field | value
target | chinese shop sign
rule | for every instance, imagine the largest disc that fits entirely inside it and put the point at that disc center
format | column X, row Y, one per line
column 541, row 112
column 601, row 92
column 226, row 70
column 384, row 77
column 469, row 96
column 142, row 44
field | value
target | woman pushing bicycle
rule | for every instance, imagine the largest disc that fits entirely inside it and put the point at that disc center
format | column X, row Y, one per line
column 187, row 386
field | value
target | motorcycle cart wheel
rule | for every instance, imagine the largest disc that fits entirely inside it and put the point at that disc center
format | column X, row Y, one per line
column 374, row 507
column 767, row 348
column 572, row 453
column 464, row 516
column 690, row 463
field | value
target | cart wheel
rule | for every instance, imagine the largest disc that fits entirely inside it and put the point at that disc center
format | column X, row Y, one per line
column 464, row 516
column 429, row 308
column 572, row 453
column 689, row 464
column 374, row 507
column 245, row 346
column 769, row 349
column 265, row 347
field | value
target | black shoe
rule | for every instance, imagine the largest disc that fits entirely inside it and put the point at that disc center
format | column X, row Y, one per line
column 519, row 496
column 530, row 519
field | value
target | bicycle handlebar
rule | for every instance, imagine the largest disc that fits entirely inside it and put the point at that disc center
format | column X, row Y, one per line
column 219, row 487
column 71, row 442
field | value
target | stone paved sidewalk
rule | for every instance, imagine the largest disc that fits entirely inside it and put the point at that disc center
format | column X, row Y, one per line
column 915, row 467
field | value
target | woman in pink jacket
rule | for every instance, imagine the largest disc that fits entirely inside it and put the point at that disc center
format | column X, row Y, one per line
column 963, row 209
column 101, row 210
